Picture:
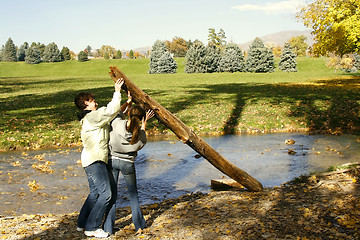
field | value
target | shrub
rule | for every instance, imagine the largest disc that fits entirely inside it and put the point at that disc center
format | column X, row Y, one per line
column 82, row 57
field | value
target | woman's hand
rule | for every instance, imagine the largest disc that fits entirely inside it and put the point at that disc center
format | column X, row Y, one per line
column 129, row 97
column 118, row 84
column 149, row 114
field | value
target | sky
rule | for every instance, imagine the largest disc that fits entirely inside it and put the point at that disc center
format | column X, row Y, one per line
column 133, row 24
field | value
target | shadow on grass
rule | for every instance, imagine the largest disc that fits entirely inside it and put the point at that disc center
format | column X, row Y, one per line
column 325, row 105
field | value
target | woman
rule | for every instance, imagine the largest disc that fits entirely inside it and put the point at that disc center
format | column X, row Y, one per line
column 127, row 137
column 94, row 157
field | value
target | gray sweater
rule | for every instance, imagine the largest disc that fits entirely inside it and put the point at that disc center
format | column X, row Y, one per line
column 119, row 144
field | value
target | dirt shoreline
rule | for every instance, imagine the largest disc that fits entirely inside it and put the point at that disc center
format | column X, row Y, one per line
column 316, row 207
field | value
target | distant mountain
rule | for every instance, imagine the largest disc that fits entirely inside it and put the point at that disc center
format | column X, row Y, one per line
column 143, row 50
column 279, row 38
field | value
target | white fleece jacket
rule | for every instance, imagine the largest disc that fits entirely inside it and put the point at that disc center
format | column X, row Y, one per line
column 95, row 131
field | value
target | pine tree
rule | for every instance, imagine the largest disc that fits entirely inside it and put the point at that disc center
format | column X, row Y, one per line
column 167, row 64
column 65, row 54
column 9, row 53
column 356, row 60
column 40, row 47
column 32, row 55
column 52, row 53
column 161, row 61
column 232, row 59
column 157, row 50
column 212, row 58
column 288, row 59
column 131, row 54
column 260, row 58
column 20, row 54
column 106, row 55
column 1, row 52
column 83, row 57
column 118, row 55
column 195, row 58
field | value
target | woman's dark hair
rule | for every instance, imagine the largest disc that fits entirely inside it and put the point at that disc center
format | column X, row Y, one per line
column 81, row 98
column 136, row 114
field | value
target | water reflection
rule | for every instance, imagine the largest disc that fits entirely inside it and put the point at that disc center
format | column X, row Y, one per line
column 167, row 169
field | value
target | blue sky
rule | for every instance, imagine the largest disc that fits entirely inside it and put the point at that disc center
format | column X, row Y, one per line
column 139, row 23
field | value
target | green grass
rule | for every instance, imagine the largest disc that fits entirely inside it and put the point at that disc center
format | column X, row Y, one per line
column 37, row 107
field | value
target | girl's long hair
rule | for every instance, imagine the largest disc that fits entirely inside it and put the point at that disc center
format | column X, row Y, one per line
column 136, row 114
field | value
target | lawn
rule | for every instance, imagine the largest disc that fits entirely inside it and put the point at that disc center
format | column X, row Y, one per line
column 37, row 108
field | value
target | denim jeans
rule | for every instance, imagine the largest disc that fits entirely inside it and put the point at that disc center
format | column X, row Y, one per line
column 127, row 169
column 93, row 211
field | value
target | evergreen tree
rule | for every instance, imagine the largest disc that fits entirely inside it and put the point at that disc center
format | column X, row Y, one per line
column 20, row 54
column 131, row 54
column 106, row 55
column 52, row 53
column 161, row 61
column 65, row 54
column 157, row 50
column 83, row 57
column 212, row 58
column 356, row 60
column 1, row 52
column 9, row 53
column 166, row 64
column 288, row 59
column 118, row 54
column 232, row 59
column 88, row 50
column 32, row 55
column 260, row 58
column 40, row 47
column 195, row 58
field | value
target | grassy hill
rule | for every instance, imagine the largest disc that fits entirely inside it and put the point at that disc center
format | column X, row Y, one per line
column 37, row 106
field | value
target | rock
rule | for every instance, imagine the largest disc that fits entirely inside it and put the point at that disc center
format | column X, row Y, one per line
column 289, row 141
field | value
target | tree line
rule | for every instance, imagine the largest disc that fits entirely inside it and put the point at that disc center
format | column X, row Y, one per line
column 219, row 56
column 38, row 52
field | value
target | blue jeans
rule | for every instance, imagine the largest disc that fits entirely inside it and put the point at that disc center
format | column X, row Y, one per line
column 127, row 169
column 93, row 211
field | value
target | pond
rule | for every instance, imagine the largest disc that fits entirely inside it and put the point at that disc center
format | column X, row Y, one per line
column 166, row 169
column 169, row 168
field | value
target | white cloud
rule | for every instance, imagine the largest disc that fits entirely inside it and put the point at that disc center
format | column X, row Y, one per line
column 289, row 6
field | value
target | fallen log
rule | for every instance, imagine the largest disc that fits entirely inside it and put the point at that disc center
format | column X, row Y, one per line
column 185, row 134
column 225, row 184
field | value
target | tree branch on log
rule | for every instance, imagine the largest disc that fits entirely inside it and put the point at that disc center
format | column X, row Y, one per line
column 185, row 134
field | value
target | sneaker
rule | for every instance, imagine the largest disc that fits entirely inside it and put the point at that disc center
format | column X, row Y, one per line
column 99, row 233
column 79, row 229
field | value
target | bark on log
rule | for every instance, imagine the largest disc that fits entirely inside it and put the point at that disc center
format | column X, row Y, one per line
column 225, row 184
column 185, row 134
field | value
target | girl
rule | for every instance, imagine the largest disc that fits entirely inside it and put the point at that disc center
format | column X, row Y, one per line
column 127, row 137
